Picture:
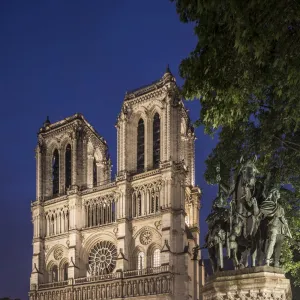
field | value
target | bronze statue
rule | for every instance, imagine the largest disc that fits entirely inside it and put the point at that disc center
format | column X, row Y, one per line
column 246, row 220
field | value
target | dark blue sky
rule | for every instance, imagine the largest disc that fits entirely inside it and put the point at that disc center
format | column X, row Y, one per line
column 62, row 57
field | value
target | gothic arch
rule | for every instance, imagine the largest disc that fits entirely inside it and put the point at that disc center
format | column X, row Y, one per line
column 50, row 253
column 54, row 144
column 155, row 108
column 152, row 247
column 63, row 261
column 155, row 238
column 65, row 141
column 133, row 259
column 92, row 240
column 98, row 155
column 50, row 265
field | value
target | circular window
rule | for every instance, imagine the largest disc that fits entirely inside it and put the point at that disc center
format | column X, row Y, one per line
column 146, row 237
column 102, row 259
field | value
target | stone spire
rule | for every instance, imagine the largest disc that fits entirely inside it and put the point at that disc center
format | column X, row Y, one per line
column 47, row 122
column 168, row 76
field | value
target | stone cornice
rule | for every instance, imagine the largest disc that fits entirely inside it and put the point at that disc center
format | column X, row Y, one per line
column 70, row 124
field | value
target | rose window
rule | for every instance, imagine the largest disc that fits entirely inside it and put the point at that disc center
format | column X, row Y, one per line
column 102, row 259
column 146, row 237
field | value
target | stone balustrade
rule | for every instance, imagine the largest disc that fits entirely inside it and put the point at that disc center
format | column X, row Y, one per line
column 137, row 283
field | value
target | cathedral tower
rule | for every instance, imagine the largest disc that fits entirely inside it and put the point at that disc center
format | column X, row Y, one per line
column 133, row 237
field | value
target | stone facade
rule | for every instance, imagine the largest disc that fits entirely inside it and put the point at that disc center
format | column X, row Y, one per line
column 257, row 283
column 131, row 237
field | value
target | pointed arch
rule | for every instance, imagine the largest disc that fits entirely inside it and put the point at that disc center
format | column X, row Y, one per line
column 141, row 146
column 55, row 172
column 139, row 204
column 95, row 171
column 156, row 140
column 68, row 166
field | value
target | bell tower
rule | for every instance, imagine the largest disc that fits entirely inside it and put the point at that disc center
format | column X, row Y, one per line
column 136, row 236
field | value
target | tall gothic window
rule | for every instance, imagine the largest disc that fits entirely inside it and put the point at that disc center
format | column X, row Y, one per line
column 156, row 258
column 65, row 271
column 152, row 203
column 68, row 166
column 133, row 205
column 55, row 172
column 94, row 172
column 139, row 204
column 54, row 274
column 140, row 146
column 141, row 261
column 156, row 140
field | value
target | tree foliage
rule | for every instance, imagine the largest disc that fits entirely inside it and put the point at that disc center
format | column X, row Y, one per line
column 245, row 69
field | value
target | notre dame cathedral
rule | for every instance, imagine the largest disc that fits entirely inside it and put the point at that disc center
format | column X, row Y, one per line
column 135, row 236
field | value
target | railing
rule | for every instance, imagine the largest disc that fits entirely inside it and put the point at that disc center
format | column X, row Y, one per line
column 147, row 271
column 98, row 278
column 53, row 284
column 112, row 276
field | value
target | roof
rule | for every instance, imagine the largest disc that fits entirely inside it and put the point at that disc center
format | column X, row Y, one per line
column 167, row 77
column 48, row 126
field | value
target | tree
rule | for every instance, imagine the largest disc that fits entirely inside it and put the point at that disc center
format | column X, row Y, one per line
column 245, row 69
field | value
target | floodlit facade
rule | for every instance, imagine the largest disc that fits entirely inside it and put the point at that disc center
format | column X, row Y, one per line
column 131, row 237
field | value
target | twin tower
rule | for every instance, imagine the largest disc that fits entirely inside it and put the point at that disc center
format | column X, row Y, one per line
column 135, row 236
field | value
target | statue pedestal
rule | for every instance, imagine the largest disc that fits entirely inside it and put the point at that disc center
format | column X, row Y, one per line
column 248, row 284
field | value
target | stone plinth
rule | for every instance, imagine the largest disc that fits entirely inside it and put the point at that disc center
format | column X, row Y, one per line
column 263, row 283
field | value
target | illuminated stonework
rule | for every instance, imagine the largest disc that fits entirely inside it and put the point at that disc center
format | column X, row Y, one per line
column 95, row 237
column 58, row 253
column 146, row 237
column 102, row 259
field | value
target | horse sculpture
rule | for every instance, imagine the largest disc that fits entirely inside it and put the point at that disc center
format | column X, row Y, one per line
column 245, row 214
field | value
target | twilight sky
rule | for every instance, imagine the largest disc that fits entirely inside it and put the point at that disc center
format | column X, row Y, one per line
column 62, row 57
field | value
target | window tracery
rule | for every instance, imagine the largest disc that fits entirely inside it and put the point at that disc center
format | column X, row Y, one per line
column 141, row 261
column 156, row 141
column 102, row 258
column 156, row 258
column 68, row 166
column 65, row 271
column 57, row 221
column 100, row 212
column 140, row 146
column 55, row 172
column 54, row 274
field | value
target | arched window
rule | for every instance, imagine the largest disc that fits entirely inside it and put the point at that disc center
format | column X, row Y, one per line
column 55, row 172
column 140, row 146
column 156, row 140
column 133, row 205
column 52, row 228
column 156, row 258
column 65, row 271
column 54, row 274
column 113, row 211
column 141, row 261
column 152, row 203
column 156, row 203
column 139, row 204
column 94, row 173
column 68, row 166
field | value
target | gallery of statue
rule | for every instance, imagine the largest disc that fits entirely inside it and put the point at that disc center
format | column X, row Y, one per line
column 251, row 223
column 129, row 237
